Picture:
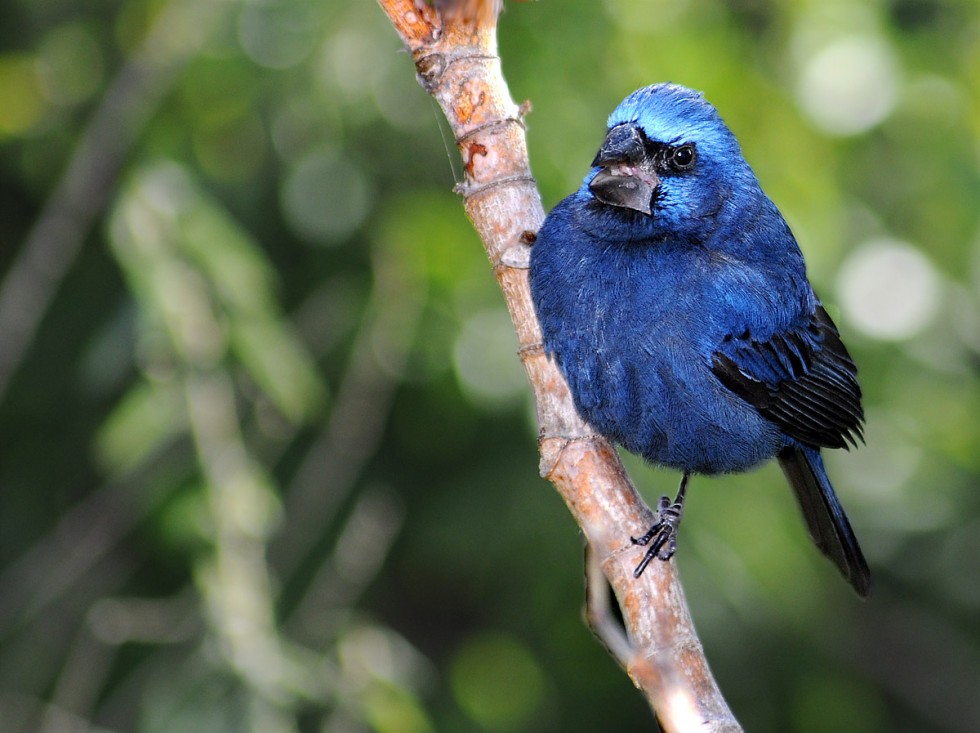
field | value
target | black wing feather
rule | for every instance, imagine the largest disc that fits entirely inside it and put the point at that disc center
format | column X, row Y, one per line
column 803, row 380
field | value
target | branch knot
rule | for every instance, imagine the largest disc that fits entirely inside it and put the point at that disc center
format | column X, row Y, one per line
column 433, row 65
column 430, row 68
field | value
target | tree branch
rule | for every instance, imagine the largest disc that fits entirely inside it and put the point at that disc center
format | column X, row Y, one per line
column 454, row 48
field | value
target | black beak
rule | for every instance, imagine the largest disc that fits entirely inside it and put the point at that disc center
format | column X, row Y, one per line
column 623, row 144
column 627, row 178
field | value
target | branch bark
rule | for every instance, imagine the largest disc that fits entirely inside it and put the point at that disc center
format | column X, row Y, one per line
column 454, row 47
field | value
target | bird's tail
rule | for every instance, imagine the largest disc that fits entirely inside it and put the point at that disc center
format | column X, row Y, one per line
column 824, row 515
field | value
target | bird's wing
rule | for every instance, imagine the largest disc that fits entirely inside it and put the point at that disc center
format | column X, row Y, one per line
column 802, row 379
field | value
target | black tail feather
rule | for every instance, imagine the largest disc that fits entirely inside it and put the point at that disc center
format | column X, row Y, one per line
column 824, row 515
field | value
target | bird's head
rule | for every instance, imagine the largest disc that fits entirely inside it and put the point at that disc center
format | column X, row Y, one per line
column 669, row 156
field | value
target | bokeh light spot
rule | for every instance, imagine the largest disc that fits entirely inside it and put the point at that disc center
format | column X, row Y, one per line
column 889, row 289
column 353, row 62
column 278, row 34
column 485, row 362
column 497, row 682
column 326, row 197
column 850, row 85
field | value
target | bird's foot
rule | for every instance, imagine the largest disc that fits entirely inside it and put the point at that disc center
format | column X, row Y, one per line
column 662, row 536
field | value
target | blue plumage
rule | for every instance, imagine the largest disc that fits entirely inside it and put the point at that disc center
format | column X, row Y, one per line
column 675, row 300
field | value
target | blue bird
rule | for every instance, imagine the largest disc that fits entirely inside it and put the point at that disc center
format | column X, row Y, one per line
column 674, row 298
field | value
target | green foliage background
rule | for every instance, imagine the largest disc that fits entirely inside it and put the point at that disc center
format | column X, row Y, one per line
column 267, row 462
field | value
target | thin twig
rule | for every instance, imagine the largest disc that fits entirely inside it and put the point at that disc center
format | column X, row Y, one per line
column 456, row 59
column 351, row 436
column 651, row 674
column 599, row 614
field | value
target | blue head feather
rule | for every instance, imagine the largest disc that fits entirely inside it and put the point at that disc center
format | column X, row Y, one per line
column 690, row 206
column 673, row 114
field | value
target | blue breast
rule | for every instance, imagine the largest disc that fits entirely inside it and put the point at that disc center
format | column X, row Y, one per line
column 632, row 326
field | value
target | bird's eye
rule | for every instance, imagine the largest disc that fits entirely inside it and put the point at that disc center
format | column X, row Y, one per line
column 682, row 157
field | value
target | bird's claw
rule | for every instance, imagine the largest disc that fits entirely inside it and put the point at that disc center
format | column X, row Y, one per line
column 662, row 536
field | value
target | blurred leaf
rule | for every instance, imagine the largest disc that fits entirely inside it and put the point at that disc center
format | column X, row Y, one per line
column 189, row 259
column 393, row 710
column 18, row 86
column 227, row 255
column 280, row 366
column 147, row 418
column 184, row 521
